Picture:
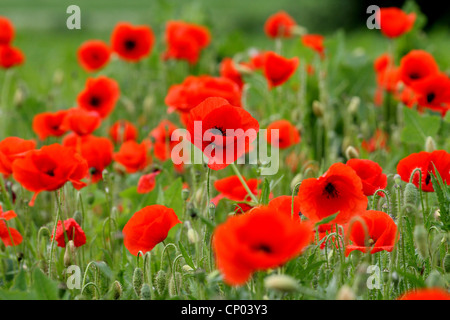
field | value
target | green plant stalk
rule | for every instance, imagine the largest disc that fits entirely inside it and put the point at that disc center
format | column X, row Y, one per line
column 244, row 184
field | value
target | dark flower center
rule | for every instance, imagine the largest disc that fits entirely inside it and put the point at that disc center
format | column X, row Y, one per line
column 222, row 130
column 430, row 97
column 95, row 102
column 50, row 172
column 427, row 179
column 264, row 248
column 130, row 44
column 330, row 191
column 414, row 76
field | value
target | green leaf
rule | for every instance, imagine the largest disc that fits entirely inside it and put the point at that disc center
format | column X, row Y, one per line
column 172, row 197
column 327, row 219
column 419, row 127
column 265, row 192
column 20, row 282
column 45, row 288
column 186, row 256
column 17, row 295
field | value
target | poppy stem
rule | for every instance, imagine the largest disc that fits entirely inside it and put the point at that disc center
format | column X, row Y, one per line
column 244, row 184
column 5, row 194
column 53, row 238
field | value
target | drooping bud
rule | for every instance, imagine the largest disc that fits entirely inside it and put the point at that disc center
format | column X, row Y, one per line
column 145, row 292
column 69, row 254
column 351, row 153
column 397, row 178
column 160, row 281
column 116, row 290
column 212, row 209
column 280, row 282
column 296, row 180
column 411, row 194
column 420, row 239
column 138, row 280
column 187, row 268
column 345, row 293
column 430, row 145
column 192, row 235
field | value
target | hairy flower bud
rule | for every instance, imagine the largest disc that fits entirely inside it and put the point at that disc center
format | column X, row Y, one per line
column 411, row 194
column 160, row 281
column 138, row 280
column 116, row 290
column 420, row 239
column 351, row 153
column 69, row 254
column 281, row 283
column 145, row 292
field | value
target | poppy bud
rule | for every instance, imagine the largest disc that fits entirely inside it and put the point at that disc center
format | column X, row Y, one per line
column 351, row 153
column 116, row 290
column 317, row 108
column 411, row 194
column 192, row 235
column 211, row 209
column 145, row 292
column 187, row 268
column 353, row 105
column 420, row 239
column 160, row 281
column 69, row 254
column 345, row 293
column 78, row 217
column 138, row 280
column 430, row 145
column 296, row 180
column 397, row 178
column 19, row 97
column 446, row 263
column 280, row 282
column 176, row 281
column 437, row 214
column 185, row 194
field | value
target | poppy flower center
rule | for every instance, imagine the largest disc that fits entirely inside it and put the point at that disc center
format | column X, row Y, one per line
column 414, row 76
column 430, row 97
column 130, row 44
column 371, row 241
column 427, row 179
column 95, row 101
column 330, row 191
column 264, row 248
column 222, row 130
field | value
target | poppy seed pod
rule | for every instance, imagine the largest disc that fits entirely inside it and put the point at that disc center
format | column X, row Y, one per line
column 138, row 280
column 116, row 290
column 145, row 292
column 420, row 239
column 161, row 282
column 280, row 282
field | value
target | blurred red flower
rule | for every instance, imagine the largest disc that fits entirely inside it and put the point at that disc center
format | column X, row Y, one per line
column 260, row 239
column 288, row 134
column 12, row 148
column 371, row 174
column 377, row 142
column 132, row 43
column 315, row 42
column 231, row 188
column 133, row 156
column 279, row 25
column 10, row 56
column 337, row 190
column 425, row 161
column 394, row 22
column 278, row 69
column 372, row 231
column 426, row 294
column 228, row 70
column 148, row 227
column 49, row 168
column 49, row 124
column 93, row 55
column 185, row 41
column 73, row 231
column 81, row 121
column 6, row 31
column 123, row 130
column 216, row 116
column 161, row 137
column 284, row 205
column 433, row 92
column 9, row 236
column 417, row 65
column 147, row 182
column 100, row 94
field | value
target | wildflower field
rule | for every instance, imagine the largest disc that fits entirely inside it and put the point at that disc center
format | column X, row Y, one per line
column 165, row 151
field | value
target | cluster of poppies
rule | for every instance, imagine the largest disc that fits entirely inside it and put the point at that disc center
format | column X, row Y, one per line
column 10, row 56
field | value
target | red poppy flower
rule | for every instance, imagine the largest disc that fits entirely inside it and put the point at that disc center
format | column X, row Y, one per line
column 122, row 131
column 81, row 121
column 389, row 79
column 337, row 190
column 185, row 41
column 133, row 156
column 417, row 65
column 383, row 62
column 232, row 188
column 279, row 25
column 100, row 95
column 49, row 124
column 97, row 151
column 6, row 31
column 261, row 239
column 132, row 43
column 426, row 294
column 408, row 97
column 278, row 69
column 228, row 70
column 222, row 131
column 378, row 234
column 256, row 60
column 394, row 22
column 288, row 134
column 93, row 55
column 377, row 142
column 10, row 56
column 315, row 42
column 284, row 205
column 424, row 161
column 49, row 168
column 194, row 90
column 371, row 174
column 433, row 92
column 148, row 227
column 13, row 148
column 147, row 182
column 9, row 236
column 73, row 231
column 162, row 142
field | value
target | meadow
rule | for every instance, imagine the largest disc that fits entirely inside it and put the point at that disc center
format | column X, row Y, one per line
column 359, row 208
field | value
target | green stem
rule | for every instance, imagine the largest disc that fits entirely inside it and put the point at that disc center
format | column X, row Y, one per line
column 244, row 184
